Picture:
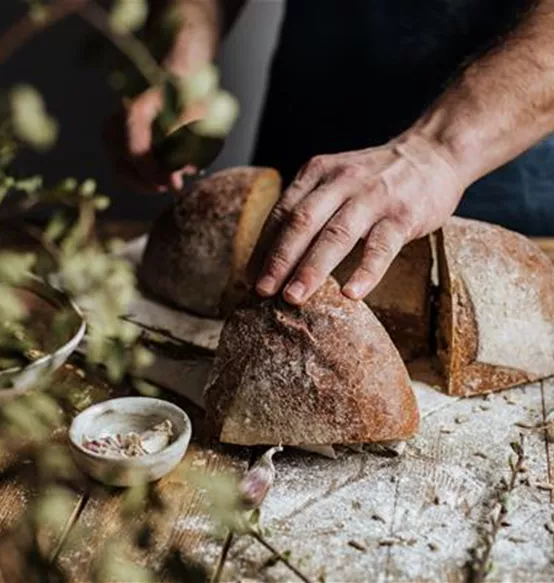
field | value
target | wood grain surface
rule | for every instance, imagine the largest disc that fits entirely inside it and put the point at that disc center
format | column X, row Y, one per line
column 361, row 517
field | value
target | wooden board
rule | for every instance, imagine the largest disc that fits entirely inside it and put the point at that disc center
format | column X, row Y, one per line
column 182, row 526
column 416, row 516
column 409, row 519
column 19, row 487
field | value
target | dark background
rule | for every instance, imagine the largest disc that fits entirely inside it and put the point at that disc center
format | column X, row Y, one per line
column 80, row 99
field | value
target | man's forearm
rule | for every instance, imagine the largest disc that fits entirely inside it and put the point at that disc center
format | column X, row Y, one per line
column 500, row 105
column 203, row 25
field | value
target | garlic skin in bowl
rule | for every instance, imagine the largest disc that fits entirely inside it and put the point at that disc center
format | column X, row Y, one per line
column 43, row 302
column 123, row 416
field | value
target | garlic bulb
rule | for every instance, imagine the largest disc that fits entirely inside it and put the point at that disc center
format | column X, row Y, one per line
column 259, row 480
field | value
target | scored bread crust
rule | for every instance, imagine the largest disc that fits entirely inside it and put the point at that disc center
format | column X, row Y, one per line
column 193, row 244
column 496, row 308
column 327, row 373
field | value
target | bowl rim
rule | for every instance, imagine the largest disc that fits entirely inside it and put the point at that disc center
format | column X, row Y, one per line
column 182, row 439
column 53, row 294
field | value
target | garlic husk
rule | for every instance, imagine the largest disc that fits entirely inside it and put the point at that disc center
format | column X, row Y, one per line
column 255, row 486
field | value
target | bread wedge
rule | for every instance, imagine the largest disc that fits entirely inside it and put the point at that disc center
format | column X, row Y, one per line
column 196, row 243
column 402, row 299
column 324, row 374
column 496, row 308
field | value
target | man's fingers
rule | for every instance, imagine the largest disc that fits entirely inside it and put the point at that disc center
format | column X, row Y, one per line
column 305, row 181
column 384, row 242
column 131, row 179
column 141, row 115
column 308, row 177
column 335, row 241
column 298, row 231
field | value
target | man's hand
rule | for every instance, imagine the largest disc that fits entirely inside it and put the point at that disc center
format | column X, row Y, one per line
column 129, row 134
column 386, row 196
column 498, row 107
column 129, row 138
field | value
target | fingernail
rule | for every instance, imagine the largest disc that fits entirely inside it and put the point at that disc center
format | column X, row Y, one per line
column 354, row 290
column 267, row 285
column 295, row 291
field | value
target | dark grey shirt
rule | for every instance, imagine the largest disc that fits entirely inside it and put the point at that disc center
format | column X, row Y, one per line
column 348, row 74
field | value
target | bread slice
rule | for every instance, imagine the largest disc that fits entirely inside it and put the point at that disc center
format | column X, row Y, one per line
column 327, row 373
column 195, row 244
column 496, row 308
column 402, row 299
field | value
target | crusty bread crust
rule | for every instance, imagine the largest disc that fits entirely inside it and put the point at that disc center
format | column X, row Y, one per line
column 496, row 308
column 402, row 299
column 324, row 374
column 190, row 250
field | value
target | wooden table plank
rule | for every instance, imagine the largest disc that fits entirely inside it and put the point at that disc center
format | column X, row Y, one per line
column 416, row 516
column 19, row 490
column 183, row 524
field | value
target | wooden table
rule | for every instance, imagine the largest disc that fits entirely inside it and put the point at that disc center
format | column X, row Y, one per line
column 362, row 517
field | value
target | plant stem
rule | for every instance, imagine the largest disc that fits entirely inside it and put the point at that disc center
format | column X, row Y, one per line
column 128, row 44
column 223, row 557
column 481, row 565
column 26, row 28
column 278, row 556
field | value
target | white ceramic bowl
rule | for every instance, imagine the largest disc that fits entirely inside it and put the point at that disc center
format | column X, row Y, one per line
column 47, row 301
column 124, row 415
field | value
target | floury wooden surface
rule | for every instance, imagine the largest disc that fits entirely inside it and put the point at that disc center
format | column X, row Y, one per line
column 360, row 517
column 368, row 518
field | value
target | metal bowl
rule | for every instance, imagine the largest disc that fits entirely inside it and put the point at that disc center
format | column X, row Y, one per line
column 124, row 415
column 43, row 303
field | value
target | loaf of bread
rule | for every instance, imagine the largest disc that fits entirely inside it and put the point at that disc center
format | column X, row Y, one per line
column 402, row 299
column 496, row 308
column 327, row 373
column 331, row 372
column 195, row 245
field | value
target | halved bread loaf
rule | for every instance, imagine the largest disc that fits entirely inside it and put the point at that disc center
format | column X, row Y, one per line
column 195, row 244
column 496, row 308
column 324, row 374
column 402, row 299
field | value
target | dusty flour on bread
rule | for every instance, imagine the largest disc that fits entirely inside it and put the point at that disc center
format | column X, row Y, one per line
column 511, row 297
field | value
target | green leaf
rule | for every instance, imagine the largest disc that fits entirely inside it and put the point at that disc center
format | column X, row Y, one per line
column 221, row 113
column 68, row 184
column 113, row 565
column 38, row 13
column 134, row 498
column 11, row 307
column 29, row 185
column 101, row 203
column 142, row 357
column 31, row 122
column 254, row 517
column 46, row 408
column 56, row 227
column 199, row 86
column 145, row 388
column 516, row 447
column 54, row 508
column 87, row 188
column 128, row 15
column 15, row 267
column 173, row 106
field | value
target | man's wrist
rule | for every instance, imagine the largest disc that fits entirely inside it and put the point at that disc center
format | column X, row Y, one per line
column 430, row 154
column 196, row 43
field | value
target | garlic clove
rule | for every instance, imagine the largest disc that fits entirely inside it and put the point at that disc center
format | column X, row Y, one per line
column 258, row 481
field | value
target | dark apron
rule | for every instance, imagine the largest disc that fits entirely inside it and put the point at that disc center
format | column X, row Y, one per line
column 351, row 74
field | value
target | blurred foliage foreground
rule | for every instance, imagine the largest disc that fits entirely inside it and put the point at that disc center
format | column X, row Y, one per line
column 73, row 259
